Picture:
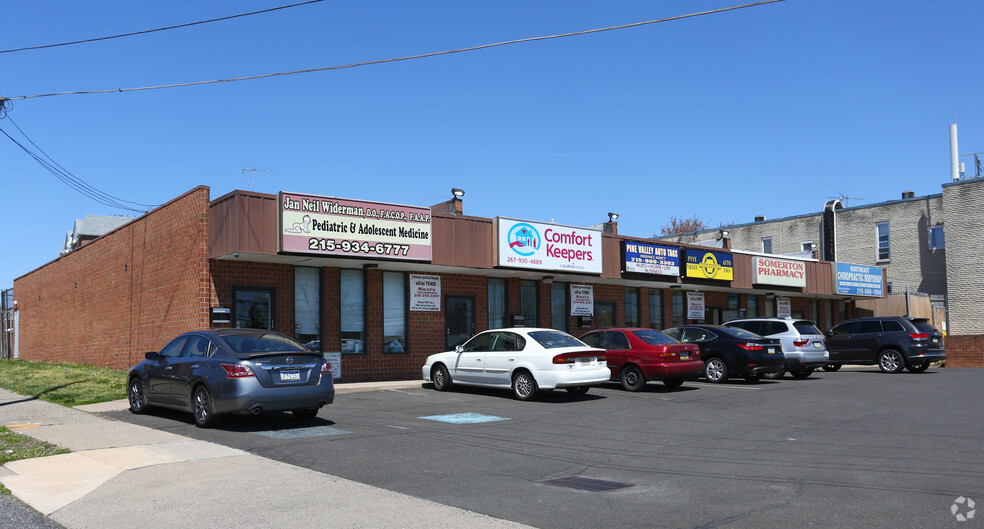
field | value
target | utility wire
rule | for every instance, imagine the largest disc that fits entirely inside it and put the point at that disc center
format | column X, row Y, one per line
column 410, row 57
column 159, row 29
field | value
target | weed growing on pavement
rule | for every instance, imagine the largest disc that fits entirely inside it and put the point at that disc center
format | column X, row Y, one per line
column 15, row 446
column 65, row 384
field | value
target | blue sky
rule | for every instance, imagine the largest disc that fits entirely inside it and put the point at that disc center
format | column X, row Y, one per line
column 768, row 110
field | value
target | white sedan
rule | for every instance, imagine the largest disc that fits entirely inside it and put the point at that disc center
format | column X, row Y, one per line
column 524, row 359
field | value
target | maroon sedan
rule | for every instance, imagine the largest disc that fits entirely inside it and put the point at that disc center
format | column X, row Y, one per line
column 636, row 356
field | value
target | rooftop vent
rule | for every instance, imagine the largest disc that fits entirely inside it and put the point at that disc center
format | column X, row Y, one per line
column 908, row 194
column 759, row 218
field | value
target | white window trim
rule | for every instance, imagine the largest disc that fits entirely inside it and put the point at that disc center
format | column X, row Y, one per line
column 771, row 243
column 878, row 257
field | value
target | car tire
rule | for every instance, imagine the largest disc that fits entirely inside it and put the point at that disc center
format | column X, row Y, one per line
column 136, row 396
column 441, row 378
column 524, row 386
column 774, row 375
column 202, row 408
column 632, row 379
column 305, row 414
column 578, row 390
column 831, row 367
column 715, row 370
column 891, row 361
column 918, row 367
column 800, row 374
column 673, row 382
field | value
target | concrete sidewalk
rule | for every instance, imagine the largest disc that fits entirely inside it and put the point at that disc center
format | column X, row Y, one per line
column 124, row 475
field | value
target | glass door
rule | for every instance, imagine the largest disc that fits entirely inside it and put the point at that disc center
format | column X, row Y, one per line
column 459, row 319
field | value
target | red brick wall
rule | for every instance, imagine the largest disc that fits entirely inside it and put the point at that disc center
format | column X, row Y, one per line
column 964, row 351
column 125, row 293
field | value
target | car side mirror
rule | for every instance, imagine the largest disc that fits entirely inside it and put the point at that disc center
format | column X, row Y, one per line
column 459, row 349
column 151, row 355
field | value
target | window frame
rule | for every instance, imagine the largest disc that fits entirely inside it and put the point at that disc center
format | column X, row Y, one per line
column 878, row 242
column 341, row 331
column 771, row 247
column 942, row 237
column 404, row 308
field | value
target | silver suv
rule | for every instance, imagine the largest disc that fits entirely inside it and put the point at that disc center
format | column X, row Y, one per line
column 802, row 342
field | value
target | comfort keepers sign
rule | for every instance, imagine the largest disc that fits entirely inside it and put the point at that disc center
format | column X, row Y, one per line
column 769, row 271
column 524, row 244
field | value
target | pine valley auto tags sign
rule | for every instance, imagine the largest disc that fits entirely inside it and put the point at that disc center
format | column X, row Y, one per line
column 523, row 244
column 335, row 226
column 769, row 271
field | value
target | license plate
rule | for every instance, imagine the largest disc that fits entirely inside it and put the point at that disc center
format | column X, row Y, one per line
column 684, row 356
column 772, row 351
column 818, row 345
column 287, row 376
column 584, row 361
column 936, row 340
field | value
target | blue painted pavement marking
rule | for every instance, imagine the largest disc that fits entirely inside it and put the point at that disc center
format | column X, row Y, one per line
column 296, row 433
column 464, row 418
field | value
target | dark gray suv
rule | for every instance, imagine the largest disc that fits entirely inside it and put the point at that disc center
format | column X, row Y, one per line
column 893, row 343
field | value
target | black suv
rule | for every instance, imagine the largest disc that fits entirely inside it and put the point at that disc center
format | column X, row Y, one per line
column 892, row 342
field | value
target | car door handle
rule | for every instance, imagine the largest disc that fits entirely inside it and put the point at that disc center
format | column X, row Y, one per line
column 168, row 368
column 195, row 366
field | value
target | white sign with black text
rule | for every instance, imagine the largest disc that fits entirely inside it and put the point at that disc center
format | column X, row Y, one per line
column 582, row 300
column 425, row 293
column 783, row 308
column 695, row 305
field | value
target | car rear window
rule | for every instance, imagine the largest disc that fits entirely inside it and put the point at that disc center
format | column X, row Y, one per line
column 555, row 339
column 806, row 327
column 653, row 337
column 740, row 334
column 265, row 343
column 924, row 326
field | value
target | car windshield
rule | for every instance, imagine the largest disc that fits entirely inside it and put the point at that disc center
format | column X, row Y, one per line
column 555, row 339
column 264, row 343
column 652, row 337
column 806, row 327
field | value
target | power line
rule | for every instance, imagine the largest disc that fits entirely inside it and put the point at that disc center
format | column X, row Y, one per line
column 409, row 57
column 158, row 29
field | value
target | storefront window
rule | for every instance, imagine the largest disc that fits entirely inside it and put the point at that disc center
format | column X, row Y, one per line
column 528, row 296
column 307, row 306
column 770, row 306
column 394, row 312
column 732, row 312
column 753, row 307
column 353, row 311
column 656, row 309
column 497, row 303
column 604, row 314
column 254, row 307
column 631, row 307
column 679, row 308
column 828, row 314
column 558, row 306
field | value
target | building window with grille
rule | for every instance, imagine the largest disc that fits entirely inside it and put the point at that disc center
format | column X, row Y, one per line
column 497, row 303
column 656, row 309
column 528, row 300
column 632, row 307
column 936, row 237
column 884, row 245
column 679, row 308
column 559, row 293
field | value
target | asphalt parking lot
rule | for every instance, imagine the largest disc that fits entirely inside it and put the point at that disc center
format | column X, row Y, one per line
column 851, row 448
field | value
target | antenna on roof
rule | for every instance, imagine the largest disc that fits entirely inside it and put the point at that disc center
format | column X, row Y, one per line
column 844, row 198
column 253, row 185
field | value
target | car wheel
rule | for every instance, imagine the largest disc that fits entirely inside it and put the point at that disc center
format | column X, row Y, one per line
column 831, row 367
column 918, row 367
column 203, row 410
column 524, row 386
column 715, row 370
column 673, row 382
column 802, row 373
column 305, row 414
column 775, row 375
column 441, row 378
column 632, row 379
column 135, row 394
column 578, row 390
column 891, row 361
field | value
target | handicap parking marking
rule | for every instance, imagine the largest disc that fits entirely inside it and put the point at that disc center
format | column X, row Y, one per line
column 297, row 433
column 464, row 418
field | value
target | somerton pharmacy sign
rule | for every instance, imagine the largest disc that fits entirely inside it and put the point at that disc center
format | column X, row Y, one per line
column 524, row 244
column 769, row 271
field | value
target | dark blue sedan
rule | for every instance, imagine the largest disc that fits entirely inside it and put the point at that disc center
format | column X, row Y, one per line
column 238, row 371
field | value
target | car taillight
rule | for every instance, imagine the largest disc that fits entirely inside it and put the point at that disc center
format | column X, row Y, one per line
column 750, row 346
column 801, row 343
column 570, row 358
column 918, row 335
column 326, row 368
column 237, row 371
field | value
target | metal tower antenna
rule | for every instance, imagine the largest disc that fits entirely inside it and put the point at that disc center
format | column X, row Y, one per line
column 844, row 198
column 253, row 184
column 978, row 166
